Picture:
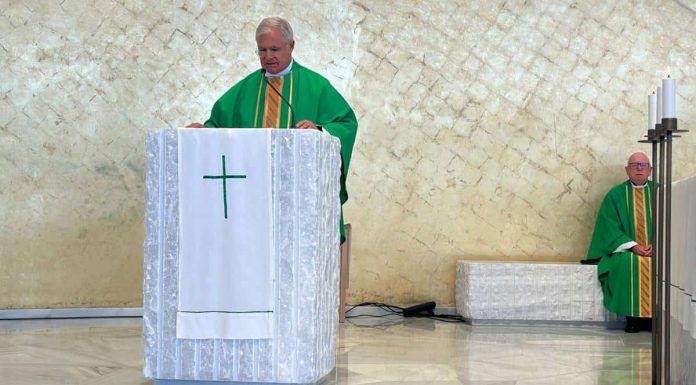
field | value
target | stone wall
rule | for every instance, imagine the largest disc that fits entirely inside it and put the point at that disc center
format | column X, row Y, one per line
column 488, row 130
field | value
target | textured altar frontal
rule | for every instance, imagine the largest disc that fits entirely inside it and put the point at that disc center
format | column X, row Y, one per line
column 305, row 178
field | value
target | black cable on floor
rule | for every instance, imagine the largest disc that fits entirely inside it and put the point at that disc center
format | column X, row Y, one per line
column 388, row 308
column 396, row 310
column 370, row 316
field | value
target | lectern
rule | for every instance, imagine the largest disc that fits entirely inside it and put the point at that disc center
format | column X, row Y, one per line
column 241, row 268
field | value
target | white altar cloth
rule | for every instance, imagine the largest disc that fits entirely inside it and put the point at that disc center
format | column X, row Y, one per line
column 225, row 235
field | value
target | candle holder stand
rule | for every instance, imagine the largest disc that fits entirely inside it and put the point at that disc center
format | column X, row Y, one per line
column 661, row 207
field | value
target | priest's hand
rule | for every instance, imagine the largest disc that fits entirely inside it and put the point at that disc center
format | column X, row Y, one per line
column 648, row 250
column 195, row 125
column 307, row 125
column 642, row 251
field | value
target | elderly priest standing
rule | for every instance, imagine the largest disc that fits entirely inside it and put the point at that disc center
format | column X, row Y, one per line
column 622, row 245
column 284, row 94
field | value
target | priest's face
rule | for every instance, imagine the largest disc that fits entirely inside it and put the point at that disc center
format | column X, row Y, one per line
column 638, row 168
column 275, row 53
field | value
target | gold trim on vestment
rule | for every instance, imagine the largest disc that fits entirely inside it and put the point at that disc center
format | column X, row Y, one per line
column 640, row 223
column 290, row 113
column 258, row 102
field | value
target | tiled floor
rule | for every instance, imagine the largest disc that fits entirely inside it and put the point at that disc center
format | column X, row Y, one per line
column 414, row 351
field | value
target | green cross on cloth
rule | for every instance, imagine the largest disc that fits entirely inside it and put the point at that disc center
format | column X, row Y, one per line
column 224, row 178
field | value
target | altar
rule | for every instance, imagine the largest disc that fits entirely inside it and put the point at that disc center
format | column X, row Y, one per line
column 266, row 310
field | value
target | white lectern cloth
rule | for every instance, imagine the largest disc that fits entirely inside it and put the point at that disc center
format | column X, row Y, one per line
column 226, row 269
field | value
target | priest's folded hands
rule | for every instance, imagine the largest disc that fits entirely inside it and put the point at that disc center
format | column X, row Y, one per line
column 642, row 251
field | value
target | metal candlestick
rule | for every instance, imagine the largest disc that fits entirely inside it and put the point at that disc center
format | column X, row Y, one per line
column 662, row 239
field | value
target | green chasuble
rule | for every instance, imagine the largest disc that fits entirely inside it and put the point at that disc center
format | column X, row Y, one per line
column 625, row 277
column 312, row 98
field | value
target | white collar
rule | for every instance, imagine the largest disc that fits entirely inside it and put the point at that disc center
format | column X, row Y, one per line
column 639, row 187
column 281, row 73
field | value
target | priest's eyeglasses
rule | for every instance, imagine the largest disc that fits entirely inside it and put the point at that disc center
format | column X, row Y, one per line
column 273, row 51
column 639, row 166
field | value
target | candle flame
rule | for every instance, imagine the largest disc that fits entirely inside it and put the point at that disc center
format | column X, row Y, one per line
column 668, row 71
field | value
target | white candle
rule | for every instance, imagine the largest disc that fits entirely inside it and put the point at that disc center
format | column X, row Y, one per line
column 652, row 111
column 669, row 98
column 658, row 116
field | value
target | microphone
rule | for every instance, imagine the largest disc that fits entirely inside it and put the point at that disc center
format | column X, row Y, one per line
column 292, row 112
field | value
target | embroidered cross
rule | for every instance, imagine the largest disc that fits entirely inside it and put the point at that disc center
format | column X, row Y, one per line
column 224, row 178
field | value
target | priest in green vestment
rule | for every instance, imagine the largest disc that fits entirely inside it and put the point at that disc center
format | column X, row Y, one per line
column 284, row 94
column 622, row 245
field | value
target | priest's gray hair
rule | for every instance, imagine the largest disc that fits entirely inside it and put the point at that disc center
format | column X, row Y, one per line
column 270, row 23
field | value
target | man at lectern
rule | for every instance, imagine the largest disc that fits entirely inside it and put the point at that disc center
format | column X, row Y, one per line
column 284, row 94
column 622, row 245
